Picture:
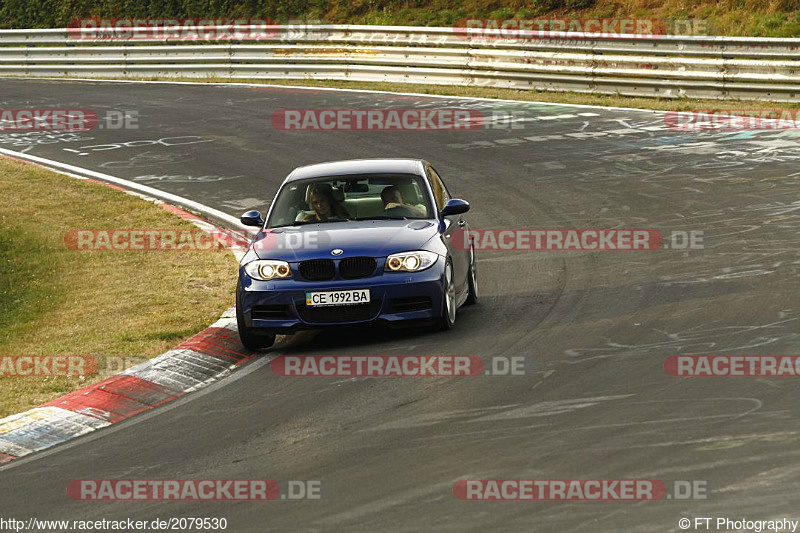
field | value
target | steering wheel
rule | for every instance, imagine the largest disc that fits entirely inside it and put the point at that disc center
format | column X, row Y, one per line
column 399, row 211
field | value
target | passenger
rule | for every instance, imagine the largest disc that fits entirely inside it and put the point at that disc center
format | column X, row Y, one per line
column 325, row 205
column 393, row 199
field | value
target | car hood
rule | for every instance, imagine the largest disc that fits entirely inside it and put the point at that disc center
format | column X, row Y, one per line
column 372, row 238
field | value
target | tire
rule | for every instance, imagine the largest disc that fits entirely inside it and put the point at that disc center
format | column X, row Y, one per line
column 251, row 340
column 472, row 280
column 448, row 318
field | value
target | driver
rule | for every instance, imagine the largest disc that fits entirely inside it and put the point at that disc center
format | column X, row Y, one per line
column 325, row 205
column 393, row 199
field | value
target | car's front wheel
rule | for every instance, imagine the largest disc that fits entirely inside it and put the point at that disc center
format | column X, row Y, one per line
column 250, row 339
column 448, row 318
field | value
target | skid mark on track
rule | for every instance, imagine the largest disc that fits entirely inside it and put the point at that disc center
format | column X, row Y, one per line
column 498, row 412
column 697, row 340
column 549, row 428
column 378, row 506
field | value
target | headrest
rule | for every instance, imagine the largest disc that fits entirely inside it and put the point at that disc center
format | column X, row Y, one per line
column 409, row 193
column 338, row 195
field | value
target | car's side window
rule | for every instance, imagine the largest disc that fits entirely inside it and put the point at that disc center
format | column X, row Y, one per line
column 439, row 190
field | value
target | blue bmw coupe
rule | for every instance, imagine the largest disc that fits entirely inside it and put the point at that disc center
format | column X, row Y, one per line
column 352, row 242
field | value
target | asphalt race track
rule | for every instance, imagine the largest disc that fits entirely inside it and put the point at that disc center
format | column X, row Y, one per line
column 594, row 327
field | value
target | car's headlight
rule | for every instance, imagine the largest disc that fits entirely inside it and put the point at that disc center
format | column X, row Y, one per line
column 268, row 269
column 410, row 261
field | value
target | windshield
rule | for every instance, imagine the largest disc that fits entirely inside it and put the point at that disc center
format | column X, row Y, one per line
column 352, row 197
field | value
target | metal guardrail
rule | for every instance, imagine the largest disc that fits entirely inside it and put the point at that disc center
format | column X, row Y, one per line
column 630, row 65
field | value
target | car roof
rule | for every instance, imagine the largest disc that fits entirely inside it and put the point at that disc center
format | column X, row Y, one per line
column 359, row 166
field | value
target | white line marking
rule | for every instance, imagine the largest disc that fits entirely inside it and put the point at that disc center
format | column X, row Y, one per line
column 150, row 191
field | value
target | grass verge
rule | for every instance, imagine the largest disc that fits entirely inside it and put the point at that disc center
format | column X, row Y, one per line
column 119, row 307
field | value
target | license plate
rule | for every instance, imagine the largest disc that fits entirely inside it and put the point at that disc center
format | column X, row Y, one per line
column 321, row 299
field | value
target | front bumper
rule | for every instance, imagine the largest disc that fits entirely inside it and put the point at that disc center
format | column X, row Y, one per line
column 280, row 305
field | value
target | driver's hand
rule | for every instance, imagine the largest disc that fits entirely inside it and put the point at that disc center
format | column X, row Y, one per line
column 392, row 205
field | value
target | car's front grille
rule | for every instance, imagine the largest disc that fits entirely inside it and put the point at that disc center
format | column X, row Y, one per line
column 269, row 312
column 339, row 313
column 412, row 303
column 325, row 270
column 317, row 269
column 356, row 267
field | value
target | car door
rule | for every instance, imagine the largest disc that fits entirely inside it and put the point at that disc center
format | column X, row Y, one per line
column 452, row 224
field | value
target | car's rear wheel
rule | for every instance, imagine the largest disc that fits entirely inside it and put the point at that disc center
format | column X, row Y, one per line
column 448, row 318
column 472, row 280
column 250, row 339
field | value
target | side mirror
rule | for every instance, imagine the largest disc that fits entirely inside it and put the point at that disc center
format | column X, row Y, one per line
column 252, row 218
column 455, row 206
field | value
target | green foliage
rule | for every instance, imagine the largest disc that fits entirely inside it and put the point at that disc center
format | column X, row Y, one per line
column 580, row 4
column 378, row 18
column 777, row 18
column 502, row 13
